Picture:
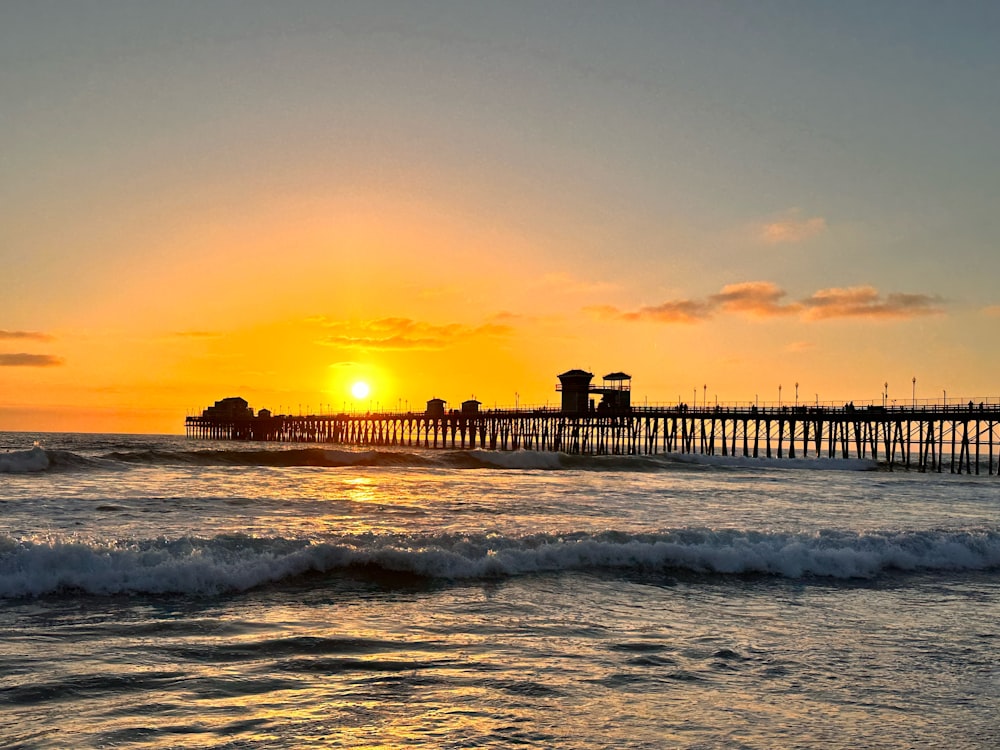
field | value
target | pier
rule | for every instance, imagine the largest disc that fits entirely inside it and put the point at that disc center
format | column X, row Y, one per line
column 959, row 439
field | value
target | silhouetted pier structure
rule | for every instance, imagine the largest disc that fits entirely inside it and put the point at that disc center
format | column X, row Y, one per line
column 944, row 437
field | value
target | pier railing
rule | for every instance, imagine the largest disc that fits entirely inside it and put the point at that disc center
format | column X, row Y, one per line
column 934, row 436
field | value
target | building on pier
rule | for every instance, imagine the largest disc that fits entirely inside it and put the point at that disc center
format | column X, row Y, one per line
column 615, row 392
column 233, row 407
column 575, row 388
column 435, row 407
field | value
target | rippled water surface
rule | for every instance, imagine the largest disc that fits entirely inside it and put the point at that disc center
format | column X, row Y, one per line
column 156, row 592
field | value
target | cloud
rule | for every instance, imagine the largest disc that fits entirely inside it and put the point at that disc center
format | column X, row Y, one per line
column 757, row 298
column 30, row 360
column 992, row 310
column 196, row 334
column 762, row 299
column 866, row 302
column 790, row 229
column 25, row 336
column 672, row 311
column 405, row 333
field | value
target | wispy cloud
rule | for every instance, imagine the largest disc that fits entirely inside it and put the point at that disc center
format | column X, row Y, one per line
column 758, row 298
column 764, row 299
column 790, row 228
column 992, row 310
column 672, row 311
column 196, row 334
column 25, row 336
column 405, row 333
column 30, row 360
column 867, row 302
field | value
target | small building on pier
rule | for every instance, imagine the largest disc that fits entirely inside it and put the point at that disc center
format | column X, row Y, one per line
column 615, row 392
column 575, row 388
column 471, row 406
column 435, row 407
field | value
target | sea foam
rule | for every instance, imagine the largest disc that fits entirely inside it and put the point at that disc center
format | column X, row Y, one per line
column 230, row 563
column 22, row 462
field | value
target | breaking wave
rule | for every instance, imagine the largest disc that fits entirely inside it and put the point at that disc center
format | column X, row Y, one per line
column 232, row 563
column 22, row 462
column 39, row 459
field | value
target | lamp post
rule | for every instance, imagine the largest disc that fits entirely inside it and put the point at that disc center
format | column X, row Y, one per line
column 779, row 396
column 704, row 397
column 796, row 394
column 914, row 394
column 885, row 394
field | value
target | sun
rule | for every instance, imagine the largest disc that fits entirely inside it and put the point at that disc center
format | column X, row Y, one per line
column 360, row 389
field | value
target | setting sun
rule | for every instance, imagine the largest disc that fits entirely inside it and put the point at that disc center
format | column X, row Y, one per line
column 360, row 389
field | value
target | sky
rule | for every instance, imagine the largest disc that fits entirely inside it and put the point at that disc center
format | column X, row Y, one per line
column 204, row 199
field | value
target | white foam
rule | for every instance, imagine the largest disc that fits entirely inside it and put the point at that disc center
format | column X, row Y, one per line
column 21, row 462
column 236, row 563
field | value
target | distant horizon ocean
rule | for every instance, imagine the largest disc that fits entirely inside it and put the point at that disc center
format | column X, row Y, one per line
column 160, row 592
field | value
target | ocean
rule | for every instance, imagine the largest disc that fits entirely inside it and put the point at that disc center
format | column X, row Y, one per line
column 157, row 592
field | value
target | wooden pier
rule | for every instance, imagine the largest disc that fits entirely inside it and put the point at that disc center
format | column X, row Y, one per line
column 931, row 438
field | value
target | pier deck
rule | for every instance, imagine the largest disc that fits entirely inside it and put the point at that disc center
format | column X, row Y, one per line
column 956, row 438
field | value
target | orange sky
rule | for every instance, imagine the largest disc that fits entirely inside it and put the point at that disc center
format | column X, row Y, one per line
column 445, row 205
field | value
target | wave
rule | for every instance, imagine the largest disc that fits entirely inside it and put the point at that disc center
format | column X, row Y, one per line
column 23, row 462
column 39, row 459
column 232, row 563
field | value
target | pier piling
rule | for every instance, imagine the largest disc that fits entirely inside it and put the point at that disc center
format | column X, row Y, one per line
column 886, row 435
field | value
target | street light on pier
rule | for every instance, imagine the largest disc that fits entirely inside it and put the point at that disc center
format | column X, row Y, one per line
column 779, row 396
column 885, row 394
column 796, row 395
column 914, row 394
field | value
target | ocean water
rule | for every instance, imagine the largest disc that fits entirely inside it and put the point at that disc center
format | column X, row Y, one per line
column 163, row 593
